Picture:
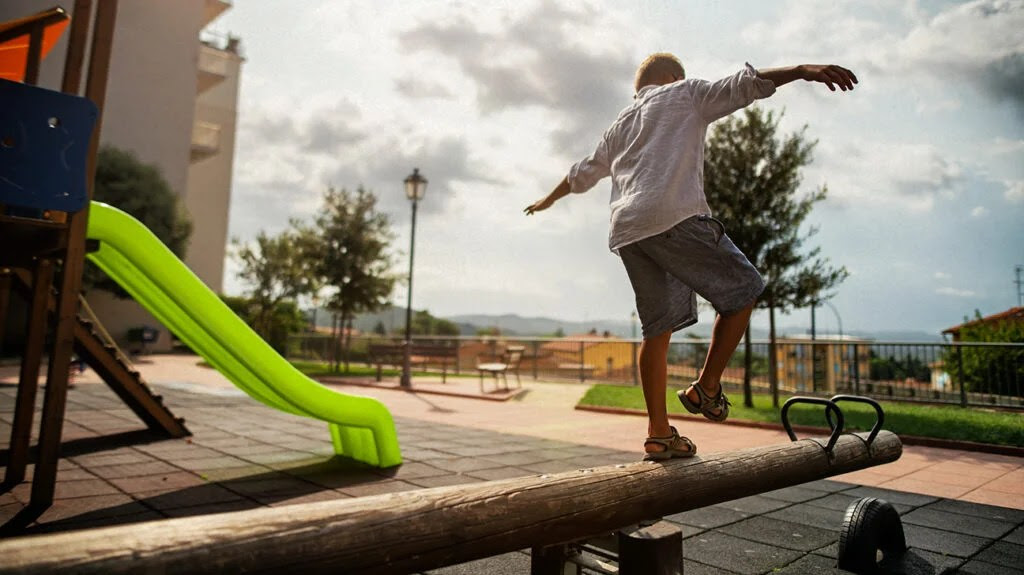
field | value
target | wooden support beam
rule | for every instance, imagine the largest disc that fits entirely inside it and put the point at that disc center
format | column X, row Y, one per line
column 651, row 549
column 28, row 379
column 105, row 358
column 127, row 384
column 35, row 56
column 5, row 301
column 551, row 560
column 70, row 283
column 418, row 530
column 81, row 17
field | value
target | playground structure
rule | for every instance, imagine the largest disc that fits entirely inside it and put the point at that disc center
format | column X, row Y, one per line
column 48, row 226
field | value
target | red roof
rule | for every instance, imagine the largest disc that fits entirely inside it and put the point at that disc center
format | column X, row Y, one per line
column 1012, row 314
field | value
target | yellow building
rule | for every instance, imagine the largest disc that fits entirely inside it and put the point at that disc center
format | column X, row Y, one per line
column 826, row 365
column 596, row 355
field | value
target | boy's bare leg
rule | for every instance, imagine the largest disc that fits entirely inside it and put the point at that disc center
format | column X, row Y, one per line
column 654, row 379
column 725, row 336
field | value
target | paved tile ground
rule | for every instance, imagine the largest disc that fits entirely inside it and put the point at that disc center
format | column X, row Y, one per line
column 243, row 455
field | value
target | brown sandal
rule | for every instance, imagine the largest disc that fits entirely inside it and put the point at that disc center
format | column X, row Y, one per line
column 708, row 405
column 675, row 446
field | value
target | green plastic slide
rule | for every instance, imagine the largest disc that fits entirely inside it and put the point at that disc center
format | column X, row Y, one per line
column 361, row 427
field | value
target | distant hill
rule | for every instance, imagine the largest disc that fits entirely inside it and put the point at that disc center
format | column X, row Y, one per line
column 393, row 320
column 513, row 324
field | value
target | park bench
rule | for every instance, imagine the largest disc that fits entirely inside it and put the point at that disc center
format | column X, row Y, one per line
column 423, row 529
column 393, row 354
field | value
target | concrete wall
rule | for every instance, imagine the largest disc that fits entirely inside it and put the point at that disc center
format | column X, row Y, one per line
column 208, row 197
column 151, row 94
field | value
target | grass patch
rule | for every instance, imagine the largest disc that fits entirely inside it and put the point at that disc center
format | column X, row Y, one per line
column 942, row 422
column 319, row 368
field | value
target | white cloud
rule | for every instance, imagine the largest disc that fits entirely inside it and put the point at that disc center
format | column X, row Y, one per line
column 985, row 30
column 978, row 42
column 819, row 29
column 907, row 175
column 978, row 211
column 492, row 101
column 513, row 66
column 938, row 106
column 962, row 293
column 1014, row 191
column 1001, row 145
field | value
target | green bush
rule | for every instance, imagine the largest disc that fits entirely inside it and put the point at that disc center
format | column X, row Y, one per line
column 996, row 370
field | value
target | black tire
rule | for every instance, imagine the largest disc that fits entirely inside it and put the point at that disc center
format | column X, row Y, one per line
column 869, row 525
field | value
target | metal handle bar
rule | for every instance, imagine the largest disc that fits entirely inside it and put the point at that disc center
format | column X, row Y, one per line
column 837, row 429
column 856, row 398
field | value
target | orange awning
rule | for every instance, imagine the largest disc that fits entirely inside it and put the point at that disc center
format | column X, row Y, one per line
column 15, row 36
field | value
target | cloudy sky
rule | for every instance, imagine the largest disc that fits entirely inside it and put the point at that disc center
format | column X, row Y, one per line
column 493, row 101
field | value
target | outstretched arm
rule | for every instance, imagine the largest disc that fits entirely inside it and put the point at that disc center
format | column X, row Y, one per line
column 560, row 191
column 828, row 74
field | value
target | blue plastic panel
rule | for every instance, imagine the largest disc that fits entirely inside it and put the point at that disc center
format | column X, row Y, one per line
column 44, row 144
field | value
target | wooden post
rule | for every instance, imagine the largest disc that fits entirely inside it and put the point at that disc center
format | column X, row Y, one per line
column 583, row 377
column 551, row 560
column 536, row 358
column 651, row 549
column 636, row 362
column 55, row 398
column 75, row 56
column 5, row 300
column 28, row 380
column 426, row 529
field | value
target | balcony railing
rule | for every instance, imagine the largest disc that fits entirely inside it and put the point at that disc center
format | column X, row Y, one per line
column 205, row 140
column 213, row 67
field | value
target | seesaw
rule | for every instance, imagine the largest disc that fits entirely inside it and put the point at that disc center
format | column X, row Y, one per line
column 552, row 513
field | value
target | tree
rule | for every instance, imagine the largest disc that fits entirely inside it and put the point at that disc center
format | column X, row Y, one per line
column 349, row 252
column 277, row 271
column 994, row 370
column 125, row 182
column 751, row 179
column 425, row 324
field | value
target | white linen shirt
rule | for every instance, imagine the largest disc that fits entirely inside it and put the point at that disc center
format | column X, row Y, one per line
column 654, row 153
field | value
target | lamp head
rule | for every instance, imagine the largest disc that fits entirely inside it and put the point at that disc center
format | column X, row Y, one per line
column 415, row 185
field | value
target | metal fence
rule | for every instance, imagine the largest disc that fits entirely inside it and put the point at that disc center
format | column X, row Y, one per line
column 967, row 374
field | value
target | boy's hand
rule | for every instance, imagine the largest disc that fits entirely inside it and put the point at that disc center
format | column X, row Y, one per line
column 830, row 75
column 560, row 191
column 539, row 205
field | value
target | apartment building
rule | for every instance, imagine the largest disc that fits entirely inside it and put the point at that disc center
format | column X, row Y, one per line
column 172, row 98
column 823, row 366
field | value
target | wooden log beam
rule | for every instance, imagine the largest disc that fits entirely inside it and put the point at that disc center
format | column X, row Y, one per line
column 418, row 530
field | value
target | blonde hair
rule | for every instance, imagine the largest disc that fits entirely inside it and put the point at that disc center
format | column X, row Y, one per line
column 656, row 65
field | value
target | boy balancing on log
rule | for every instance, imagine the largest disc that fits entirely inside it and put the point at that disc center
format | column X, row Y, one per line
column 662, row 228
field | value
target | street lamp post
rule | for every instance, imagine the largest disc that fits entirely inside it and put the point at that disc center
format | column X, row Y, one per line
column 415, row 188
column 839, row 320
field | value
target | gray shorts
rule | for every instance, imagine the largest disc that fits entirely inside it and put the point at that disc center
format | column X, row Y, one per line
column 695, row 256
